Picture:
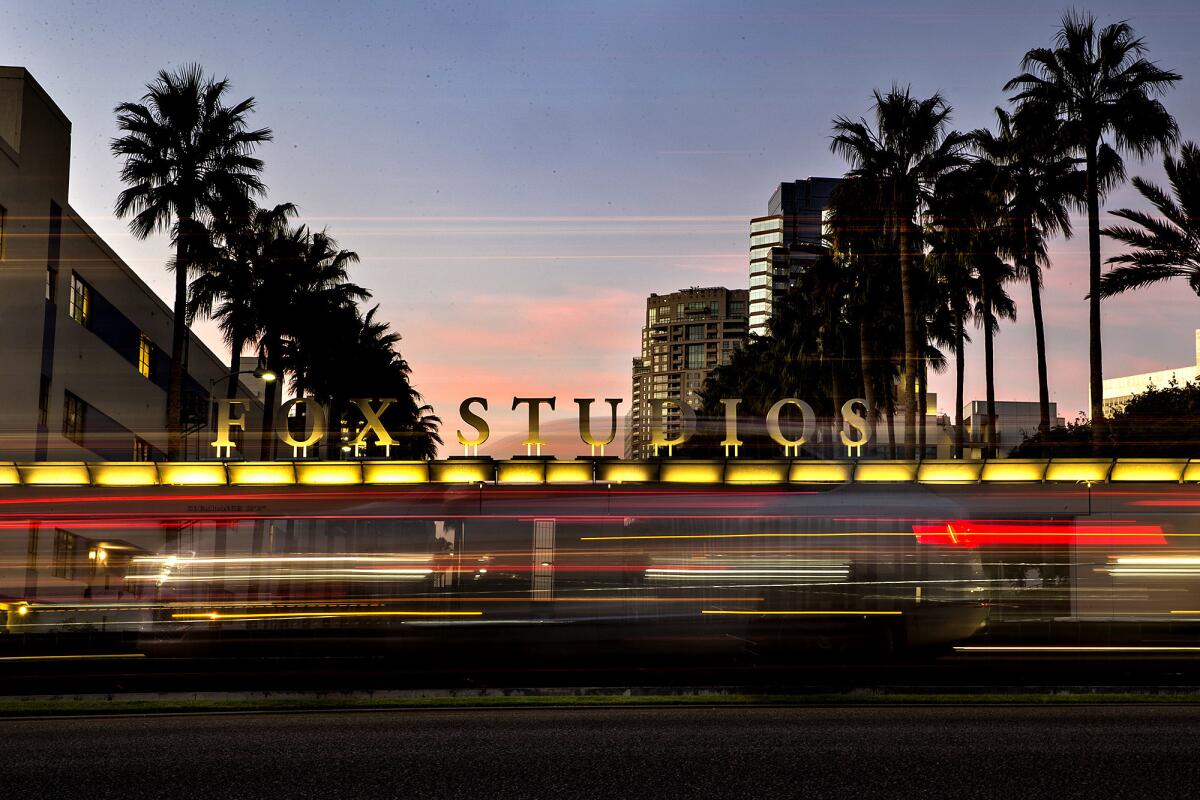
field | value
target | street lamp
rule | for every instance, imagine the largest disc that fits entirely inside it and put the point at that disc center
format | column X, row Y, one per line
column 262, row 373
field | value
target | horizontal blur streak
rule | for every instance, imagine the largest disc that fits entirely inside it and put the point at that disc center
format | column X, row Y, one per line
column 969, row 533
column 740, row 536
column 1075, row 649
column 803, row 613
column 75, row 657
column 216, row 616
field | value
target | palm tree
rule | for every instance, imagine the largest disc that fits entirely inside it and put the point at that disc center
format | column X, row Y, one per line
column 349, row 354
column 992, row 305
column 187, row 157
column 1167, row 246
column 1101, row 87
column 227, row 287
column 1036, row 177
column 903, row 154
column 968, row 230
column 305, row 277
column 859, row 242
column 951, row 267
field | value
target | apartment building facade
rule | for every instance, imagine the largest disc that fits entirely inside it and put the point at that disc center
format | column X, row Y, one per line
column 686, row 335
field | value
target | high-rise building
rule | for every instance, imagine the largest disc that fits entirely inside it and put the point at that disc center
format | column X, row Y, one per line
column 86, row 342
column 686, row 335
column 782, row 241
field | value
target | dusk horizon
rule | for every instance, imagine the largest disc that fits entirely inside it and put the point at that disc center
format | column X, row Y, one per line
column 515, row 203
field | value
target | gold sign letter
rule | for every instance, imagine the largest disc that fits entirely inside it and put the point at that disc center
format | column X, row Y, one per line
column 585, row 422
column 372, row 422
column 474, row 420
column 808, row 425
column 731, row 420
column 314, row 414
column 852, row 419
column 687, row 424
column 534, row 438
column 226, row 422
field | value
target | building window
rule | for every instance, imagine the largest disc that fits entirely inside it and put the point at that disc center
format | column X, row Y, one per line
column 695, row 332
column 81, row 301
column 74, row 410
column 142, row 451
column 737, row 308
column 65, row 548
column 696, row 356
column 144, row 355
column 51, row 284
column 44, row 402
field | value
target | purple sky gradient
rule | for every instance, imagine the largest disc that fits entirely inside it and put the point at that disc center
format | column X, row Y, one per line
column 517, row 177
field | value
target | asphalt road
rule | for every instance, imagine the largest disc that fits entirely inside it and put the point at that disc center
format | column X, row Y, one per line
column 860, row 752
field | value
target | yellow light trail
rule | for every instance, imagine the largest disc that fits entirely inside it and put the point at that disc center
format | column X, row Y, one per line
column 804, row 613
column 75, row 607
column 293, row 614
column 739, row 536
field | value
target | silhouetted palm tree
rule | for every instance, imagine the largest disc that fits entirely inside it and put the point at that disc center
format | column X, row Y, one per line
column 992, row 305
column 305, row 276
column 951, row 265
column 1037, row 178
column 227, row 287
column 1098, row 83
column 858, row 239
column 969, row 228
column 347, row 354
column 1165, row 247
column 187, row 158
column 903, row 153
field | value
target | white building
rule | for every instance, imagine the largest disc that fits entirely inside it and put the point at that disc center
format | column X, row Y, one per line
column 86, row 342
column 1119, row 390
column 1015, row 419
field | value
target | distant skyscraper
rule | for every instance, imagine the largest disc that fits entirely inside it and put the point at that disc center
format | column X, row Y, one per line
column 686, row 335
column 782, row 241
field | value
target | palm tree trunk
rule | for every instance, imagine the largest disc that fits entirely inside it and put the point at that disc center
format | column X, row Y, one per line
column 179, row 334
column 922, row 404
column 267, row 448
column 989, row 373
column 1095, row 354
column 909, row 393
column 960, row 364
column 835, row 384
column 891, row 427
column 235, row 363
column 866, row 362
column 1039, row 326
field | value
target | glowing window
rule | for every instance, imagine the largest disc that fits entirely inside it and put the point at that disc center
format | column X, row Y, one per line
column 74, row 410
column 143, row 356
column 81, row 301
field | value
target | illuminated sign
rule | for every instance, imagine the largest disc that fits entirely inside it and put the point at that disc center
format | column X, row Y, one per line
column 371, row 429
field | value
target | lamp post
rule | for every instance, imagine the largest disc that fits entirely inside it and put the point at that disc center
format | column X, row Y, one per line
column 260, row 372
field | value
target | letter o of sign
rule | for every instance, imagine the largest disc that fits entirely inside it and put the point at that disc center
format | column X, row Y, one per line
column 808, row 425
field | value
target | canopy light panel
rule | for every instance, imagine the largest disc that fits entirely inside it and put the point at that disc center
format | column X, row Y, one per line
column 585, row 471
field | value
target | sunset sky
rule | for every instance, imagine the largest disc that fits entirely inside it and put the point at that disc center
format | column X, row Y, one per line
column 517, row 177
